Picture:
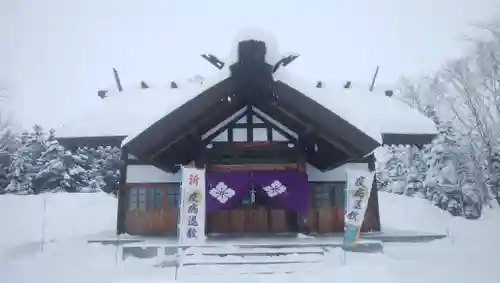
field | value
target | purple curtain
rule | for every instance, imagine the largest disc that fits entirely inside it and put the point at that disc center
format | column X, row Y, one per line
column 226, row 189
column 284, row 189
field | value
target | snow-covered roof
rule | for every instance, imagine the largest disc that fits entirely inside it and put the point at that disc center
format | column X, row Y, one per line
column 129, row 112
column 371, row 112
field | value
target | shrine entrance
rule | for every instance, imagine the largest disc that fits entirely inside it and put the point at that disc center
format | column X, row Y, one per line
column 242, row 203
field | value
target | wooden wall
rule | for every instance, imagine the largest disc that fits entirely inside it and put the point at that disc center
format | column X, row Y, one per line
column 250, row 220
column 326, row 214
column 152, row 221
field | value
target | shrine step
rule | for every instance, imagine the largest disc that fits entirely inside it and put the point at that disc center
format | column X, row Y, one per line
column 245, row 252
column 153, row 251
column 249, row 262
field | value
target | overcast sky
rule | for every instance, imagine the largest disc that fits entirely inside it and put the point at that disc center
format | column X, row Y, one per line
column 55, row 54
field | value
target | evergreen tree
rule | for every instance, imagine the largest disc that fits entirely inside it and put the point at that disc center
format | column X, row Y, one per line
column 494, row 178
column 25, row 162
column 397, row 169
column 416, row 173
column 61, row 170
column 106, row 168
column 381, row 173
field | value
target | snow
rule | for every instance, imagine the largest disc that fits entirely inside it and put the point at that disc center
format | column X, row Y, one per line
column 272, row 47
column 471, row 249
column 129, row 112
column 414, row 214
column 373, row 113
column 66, row 216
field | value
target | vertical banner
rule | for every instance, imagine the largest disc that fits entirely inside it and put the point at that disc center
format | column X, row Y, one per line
column 359, row 184
column 192, row 207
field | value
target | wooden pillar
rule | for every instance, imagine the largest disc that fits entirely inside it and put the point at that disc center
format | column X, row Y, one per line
column 372, row 211
column 122, row 194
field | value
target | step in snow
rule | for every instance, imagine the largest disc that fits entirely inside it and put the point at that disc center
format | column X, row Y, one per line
column 254, row 251
column 201, row 259
column 249, row 261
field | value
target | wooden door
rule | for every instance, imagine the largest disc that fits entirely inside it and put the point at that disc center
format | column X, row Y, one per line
column 326, row 212
column 256, row 219
column 152, row 209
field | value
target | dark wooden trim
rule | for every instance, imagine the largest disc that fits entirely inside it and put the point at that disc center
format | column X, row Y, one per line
column 245, row 126
column 209, row 138
column 274, row 127
column 172, row 127
column 249, row 124
column 372, row 215
column 372, row 210
column 122, row 194
column 415, row 139
column 259, row 144
column 329, row 123
column 152, row 185
column 252, row 167
column 316, row 131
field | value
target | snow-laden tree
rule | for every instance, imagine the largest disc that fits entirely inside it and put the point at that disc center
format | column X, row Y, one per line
column 396, row 167
column 417, row 170
column 25, row 162
column 465, row 93
column 62, row 170
column 381, row 172
column 104, row 165
column 494, row 177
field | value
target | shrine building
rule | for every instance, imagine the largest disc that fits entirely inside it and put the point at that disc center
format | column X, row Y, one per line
column 275, row 148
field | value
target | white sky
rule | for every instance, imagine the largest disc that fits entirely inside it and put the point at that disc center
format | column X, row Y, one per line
column 55, row 54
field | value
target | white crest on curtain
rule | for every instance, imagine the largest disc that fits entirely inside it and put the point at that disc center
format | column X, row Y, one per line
column 222, row 192
column 275, row 189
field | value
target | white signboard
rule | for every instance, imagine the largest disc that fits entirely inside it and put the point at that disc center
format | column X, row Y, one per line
column 359, row 184
column 192, row 207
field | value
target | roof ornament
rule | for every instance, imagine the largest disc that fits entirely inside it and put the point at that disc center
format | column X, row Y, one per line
column 374, row 79
column 214, row 61
column 117, row 80
column 285, row 61
column 102, row 93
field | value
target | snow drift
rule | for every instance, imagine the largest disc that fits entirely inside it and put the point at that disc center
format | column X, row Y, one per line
column 66, row 215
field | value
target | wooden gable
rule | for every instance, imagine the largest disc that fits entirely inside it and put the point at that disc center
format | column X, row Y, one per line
column 250, row 106
column 249, row 124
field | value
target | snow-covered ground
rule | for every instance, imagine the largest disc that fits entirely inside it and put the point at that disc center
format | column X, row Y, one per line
column 470, row 254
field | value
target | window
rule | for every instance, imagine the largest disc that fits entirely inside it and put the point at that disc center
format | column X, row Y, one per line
column 155, row 198
column 259, row 134
column 173, row 195
column 145, row 199
column 133, row 199
column 327, row 194
column 240, row 135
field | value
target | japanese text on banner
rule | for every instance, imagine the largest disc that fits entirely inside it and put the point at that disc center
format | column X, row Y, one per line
column 193, row 206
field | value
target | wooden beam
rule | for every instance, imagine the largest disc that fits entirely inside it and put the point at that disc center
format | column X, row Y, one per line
column 317, row 131
column 211, row 121
column 222, row 129
column 272, row 126
column 174, row 124
column 251, row 167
